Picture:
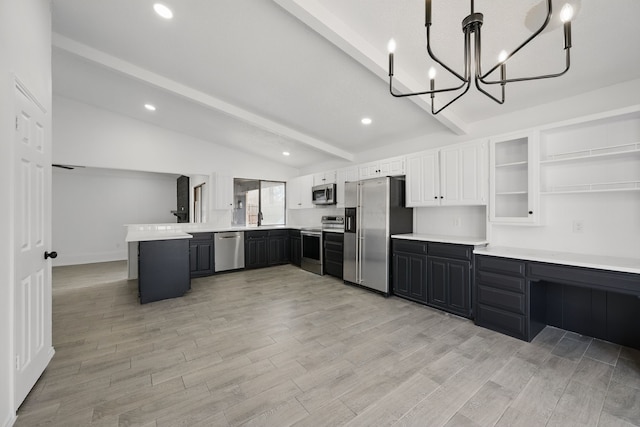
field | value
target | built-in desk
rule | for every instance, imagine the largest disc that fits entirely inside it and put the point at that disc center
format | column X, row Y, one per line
column 519, row 291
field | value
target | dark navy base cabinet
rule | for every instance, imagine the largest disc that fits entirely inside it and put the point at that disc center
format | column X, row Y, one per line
column 201, row 255
column 163, row 269
column 519, row 298
column 432, row 273
column 295, row 247
column 333, row 254
column 409, row 270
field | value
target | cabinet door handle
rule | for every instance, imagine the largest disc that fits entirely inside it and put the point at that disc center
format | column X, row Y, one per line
column 530, row 212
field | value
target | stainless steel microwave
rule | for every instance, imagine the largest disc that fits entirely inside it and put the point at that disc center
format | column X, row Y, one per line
column 324, row 194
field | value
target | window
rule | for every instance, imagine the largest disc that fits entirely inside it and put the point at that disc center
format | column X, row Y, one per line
column 258, row 202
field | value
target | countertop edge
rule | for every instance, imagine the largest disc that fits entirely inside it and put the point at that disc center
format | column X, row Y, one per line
column 457, row 240
column 156, row 235
column 619, row 264
column 150, row 232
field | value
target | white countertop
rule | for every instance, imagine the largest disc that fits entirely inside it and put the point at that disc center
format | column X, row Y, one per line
column 148, row 232
column 146, row 236
column 627, row 265
column 458, row 240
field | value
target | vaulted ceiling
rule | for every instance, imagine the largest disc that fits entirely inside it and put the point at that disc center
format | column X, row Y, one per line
column 267, row 76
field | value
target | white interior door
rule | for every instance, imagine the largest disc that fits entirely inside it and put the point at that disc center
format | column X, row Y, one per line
column 32, row 220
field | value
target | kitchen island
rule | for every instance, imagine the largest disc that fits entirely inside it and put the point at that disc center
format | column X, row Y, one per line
column 160, row 262
column 163, row 257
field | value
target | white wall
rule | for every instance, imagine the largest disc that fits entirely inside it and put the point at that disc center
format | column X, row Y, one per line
column 311, row 217
column 611, row 225
column 25, row 49
column 89, row 136
column 91, row 205
column 466, row 221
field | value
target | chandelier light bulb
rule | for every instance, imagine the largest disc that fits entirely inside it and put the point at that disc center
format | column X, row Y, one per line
column 432, row 73
column 502, row 56
column 566, row 13
column 391, row 46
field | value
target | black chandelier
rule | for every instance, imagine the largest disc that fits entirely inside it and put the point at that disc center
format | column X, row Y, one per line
column 473, row 24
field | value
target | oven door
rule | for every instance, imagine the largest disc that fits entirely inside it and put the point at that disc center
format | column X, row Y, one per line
column 312, row 251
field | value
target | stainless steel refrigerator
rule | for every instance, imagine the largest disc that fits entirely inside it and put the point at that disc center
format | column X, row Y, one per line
column 374, row 210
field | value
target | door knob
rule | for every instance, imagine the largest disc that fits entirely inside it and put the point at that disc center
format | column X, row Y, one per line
column 52, row 254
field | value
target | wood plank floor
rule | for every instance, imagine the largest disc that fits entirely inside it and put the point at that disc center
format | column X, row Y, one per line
column 281, row 346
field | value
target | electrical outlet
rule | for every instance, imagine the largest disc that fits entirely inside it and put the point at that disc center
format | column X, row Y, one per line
column 457, row 222
column 578, row 226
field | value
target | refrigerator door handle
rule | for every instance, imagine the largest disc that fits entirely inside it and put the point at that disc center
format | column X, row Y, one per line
column 360, row 246
column 360, row 236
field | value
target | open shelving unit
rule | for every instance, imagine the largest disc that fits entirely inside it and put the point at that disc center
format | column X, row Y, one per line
column 597, row 156
column 513, row 166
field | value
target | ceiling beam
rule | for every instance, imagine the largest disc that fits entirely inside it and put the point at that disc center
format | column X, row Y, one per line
column 318, row 18
column 149, row 77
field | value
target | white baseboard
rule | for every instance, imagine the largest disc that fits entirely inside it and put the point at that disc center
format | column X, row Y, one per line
column 10, row 421
column 89, row 258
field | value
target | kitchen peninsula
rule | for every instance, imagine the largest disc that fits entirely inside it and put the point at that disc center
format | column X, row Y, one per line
column 164, row 257
column 160, row 261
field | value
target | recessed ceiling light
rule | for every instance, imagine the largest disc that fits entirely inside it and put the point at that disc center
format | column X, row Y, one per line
column 163, row 11
column 286, row 153
column 366, row 121
column 150, row 107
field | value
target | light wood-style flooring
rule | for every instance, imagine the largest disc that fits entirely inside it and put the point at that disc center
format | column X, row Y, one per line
column 281, row 346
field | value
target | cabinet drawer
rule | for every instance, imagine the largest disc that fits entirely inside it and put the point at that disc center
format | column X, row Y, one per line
column 502, row 299
column 334, row 246
column 278, row 233
column 202, row 236
column 334, row 237
column 410, row 246
column 333, row 268
column 448, row 250
column 248, row 235
column 500, row 265
column 334, row 256
column 501, row 321
column 509, row 283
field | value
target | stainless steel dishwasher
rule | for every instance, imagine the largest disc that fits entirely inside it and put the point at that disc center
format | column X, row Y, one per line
column 229, row 250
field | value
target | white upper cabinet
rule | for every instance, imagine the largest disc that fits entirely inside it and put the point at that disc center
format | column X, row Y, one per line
column 423, row 179
column 450, row 176
column 513, row 180
column 328, row 177
column 388, row 167
column 463, row 172
column 223, row 185
column 299, row 192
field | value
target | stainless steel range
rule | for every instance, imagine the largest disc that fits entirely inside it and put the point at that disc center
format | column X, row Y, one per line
column 312, row 256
